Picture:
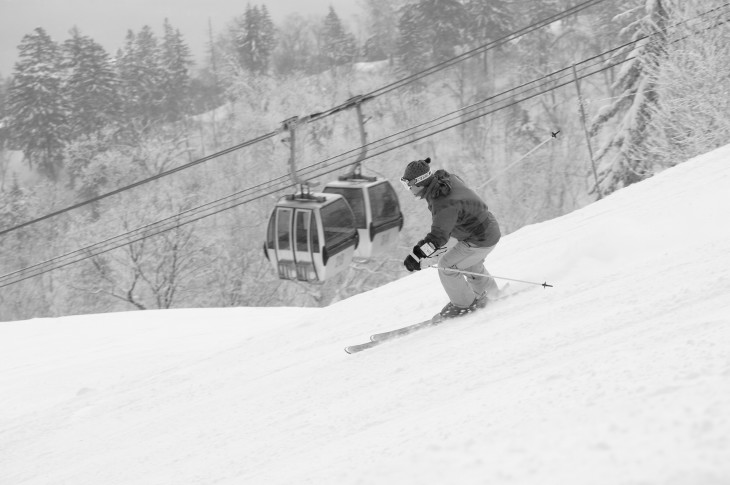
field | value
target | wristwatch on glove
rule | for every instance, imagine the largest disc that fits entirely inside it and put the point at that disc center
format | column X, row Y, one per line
column 422, row 250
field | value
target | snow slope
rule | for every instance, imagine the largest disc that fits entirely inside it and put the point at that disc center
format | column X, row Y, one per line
column 620, row 374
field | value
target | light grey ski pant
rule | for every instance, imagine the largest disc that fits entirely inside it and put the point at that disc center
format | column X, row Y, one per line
column 463, row 288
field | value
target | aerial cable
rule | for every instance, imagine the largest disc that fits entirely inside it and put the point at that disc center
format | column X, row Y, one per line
column 348, row 104
column 254, row 193
column 140, row 182
column 466, row 55
column 136, row 235
column 196, row 214
column 585, row 71
column 380, row 146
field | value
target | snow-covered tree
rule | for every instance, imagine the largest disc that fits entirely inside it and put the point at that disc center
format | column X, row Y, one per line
column 91, row 85
column 295, row 47
column 412, row 48
column 3, row 97
column 635, row 100
column 430, row 31
column 338, row 45
column 268, row 37
column 534, row 49
column 531, row 11
column 37, row 113
column 3, row 112
column 488, row 21
column 693, row 84
column 176, row 61
column 142, row 77
column 255, row 39
column 382, row 28
column 606, row 17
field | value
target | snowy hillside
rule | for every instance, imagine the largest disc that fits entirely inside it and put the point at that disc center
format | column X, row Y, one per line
column 620, row 374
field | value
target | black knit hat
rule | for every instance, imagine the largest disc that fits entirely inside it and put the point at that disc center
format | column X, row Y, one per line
column 418, row 169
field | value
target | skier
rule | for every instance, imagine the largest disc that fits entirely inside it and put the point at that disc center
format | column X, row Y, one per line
column 458, row 212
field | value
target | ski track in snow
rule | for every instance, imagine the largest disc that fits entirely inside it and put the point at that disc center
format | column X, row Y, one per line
column 620, row 374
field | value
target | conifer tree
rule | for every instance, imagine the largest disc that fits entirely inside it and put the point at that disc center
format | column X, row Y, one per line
column 294, row 47
column 255, row 39
column 338, row 45
column 488, row 21
column 412, row 43
column 3, row 97
column 142, row 77
column 535, row 54
column 382, row 18
column 91, row 85
column 176, row 60
column 37, row 113
column 14, row 208
column 268, row 37
column 633, row 104
column 246, row 41
column 533, row 11
column 608, row 16
column 444, row 23
column 430, row 32
column 3, row 112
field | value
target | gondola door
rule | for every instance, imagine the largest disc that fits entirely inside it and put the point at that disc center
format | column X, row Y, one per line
column 306, row 242
column 284, row 248
column 293, row 235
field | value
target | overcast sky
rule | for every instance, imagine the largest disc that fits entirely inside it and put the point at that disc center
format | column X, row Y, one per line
column 107, row 21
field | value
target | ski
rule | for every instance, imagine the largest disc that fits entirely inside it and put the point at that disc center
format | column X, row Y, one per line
column 360, row 347
column 383, row 337
column 398, row 332
column 379, row 338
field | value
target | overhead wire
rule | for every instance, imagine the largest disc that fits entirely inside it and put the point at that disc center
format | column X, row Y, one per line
column 471, row 53
column 457, row 118
column 228, row 202
column 317, row 116
column 140, row 182
column 475, row 107
column 282, row 182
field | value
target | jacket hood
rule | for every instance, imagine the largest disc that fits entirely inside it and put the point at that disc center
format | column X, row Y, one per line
column 440, row 185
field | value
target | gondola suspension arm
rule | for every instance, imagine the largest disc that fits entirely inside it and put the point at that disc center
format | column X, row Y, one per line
column 357, row 101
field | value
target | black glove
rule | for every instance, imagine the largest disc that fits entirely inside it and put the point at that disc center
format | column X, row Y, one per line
column 418, row 252
column 411, row 264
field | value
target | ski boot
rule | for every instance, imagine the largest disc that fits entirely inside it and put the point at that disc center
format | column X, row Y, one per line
column 480, row 301
column 451, row 310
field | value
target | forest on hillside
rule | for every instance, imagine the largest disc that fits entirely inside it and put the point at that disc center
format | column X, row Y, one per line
column 154, row 177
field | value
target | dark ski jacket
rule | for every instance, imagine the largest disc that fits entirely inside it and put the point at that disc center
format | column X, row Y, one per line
column 458, row 212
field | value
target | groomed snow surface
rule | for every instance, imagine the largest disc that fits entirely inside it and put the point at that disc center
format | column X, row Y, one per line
column 620, row 374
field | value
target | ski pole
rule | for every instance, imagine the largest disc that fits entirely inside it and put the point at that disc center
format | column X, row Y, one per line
column 544, row 285
column 553, row 135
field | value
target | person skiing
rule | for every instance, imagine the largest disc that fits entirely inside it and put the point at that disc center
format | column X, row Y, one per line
column 458, row 212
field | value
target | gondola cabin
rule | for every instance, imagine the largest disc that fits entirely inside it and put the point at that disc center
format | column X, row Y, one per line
column 311, row 237
column 378, row 217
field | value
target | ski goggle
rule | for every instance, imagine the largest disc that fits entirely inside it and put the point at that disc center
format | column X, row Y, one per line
column 410, row 183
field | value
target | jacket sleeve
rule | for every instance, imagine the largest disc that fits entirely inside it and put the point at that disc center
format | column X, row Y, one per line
column 443, row 222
